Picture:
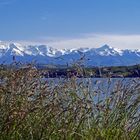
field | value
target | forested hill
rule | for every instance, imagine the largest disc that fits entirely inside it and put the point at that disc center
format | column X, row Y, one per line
column 79, row 71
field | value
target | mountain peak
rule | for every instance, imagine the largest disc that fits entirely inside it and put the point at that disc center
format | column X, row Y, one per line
column 105, row 47
column 106, row 50
column 104, row 55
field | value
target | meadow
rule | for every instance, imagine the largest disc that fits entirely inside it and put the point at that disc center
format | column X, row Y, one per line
column 32, row 108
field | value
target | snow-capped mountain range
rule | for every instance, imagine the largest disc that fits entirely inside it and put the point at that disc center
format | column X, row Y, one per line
column 43, row 54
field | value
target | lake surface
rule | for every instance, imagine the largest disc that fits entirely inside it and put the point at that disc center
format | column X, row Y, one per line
column 106, row 85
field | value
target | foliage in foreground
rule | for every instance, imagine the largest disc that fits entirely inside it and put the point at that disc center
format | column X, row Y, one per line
column 33, row 108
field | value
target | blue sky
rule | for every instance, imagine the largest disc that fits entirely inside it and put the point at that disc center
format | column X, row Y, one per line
column 67, row 22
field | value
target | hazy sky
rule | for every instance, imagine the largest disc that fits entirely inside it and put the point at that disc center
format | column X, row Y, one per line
column 71, row 23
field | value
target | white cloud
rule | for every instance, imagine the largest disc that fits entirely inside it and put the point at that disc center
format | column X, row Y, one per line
column 88, row 40
column 97, row 40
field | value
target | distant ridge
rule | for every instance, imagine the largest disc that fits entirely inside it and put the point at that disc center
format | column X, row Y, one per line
column 103, row 56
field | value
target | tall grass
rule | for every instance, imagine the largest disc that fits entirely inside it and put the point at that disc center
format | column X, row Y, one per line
column 34, row 108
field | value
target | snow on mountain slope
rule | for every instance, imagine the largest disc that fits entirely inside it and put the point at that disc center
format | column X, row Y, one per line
column 107, row 50
column 103, row 56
